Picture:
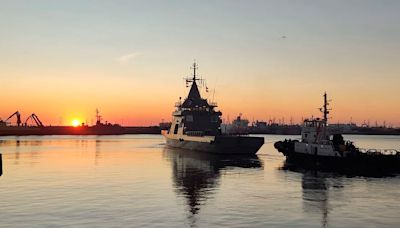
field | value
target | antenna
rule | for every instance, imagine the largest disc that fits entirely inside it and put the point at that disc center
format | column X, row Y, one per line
column 195, row 77
column 325, row 110
column 194, row 67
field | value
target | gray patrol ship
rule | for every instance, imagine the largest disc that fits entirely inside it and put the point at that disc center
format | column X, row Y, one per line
column 196, row 125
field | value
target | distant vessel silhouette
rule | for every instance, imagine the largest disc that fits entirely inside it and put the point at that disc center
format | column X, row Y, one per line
column 319, row 148
column 196, row 125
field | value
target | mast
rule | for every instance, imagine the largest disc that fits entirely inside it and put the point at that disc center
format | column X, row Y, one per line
column 326, row 111
column 194, row 70
column 195, row 76
column 193, row 79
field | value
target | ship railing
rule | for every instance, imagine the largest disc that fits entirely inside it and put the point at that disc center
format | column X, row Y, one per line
column 194, row 133
column 380, row 151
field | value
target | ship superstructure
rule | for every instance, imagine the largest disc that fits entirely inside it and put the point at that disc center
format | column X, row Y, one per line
column 195, row 116
column 239, row 126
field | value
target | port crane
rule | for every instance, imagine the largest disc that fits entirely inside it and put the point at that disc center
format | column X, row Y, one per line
column 18, row 115
column 35, row 118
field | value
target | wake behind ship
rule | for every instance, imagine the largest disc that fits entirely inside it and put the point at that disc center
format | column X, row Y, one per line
column 196, row 126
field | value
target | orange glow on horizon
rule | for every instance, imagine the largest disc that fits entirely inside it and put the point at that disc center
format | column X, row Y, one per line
column 123, row 102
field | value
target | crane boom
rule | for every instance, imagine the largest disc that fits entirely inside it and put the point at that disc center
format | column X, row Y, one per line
column 35, row 118
column 18, row 118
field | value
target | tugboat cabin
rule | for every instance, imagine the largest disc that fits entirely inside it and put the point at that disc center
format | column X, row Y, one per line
column 314, row 130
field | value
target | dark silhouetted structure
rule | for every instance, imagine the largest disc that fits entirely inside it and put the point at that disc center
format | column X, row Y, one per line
column 100, row 128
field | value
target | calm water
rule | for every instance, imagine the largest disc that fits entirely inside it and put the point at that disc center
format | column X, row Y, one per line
column 134, row 181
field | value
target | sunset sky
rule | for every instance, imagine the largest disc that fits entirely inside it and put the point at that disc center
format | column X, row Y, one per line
column 265, row 59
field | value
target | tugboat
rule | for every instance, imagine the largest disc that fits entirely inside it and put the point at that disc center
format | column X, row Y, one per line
column 196, row 125
column 319, row 148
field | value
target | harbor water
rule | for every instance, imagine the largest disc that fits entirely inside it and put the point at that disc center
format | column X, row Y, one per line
column 135, row 181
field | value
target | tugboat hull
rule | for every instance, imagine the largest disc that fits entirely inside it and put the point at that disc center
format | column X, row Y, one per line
column 220, row 145
column 360, row 162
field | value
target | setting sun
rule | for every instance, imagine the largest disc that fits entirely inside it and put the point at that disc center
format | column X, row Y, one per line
column 75, row 123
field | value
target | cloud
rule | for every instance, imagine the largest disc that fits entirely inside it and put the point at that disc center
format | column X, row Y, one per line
column 128, row 57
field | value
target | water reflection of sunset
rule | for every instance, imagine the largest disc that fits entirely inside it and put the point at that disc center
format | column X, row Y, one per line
column 134, row 179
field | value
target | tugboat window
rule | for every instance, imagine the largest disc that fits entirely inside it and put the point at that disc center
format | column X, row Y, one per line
column 176, row 129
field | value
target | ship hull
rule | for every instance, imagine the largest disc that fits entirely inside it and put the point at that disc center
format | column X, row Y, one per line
column 220, row 145
column 362, row 162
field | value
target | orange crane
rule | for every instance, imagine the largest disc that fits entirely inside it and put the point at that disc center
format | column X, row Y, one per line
column 35, row 118
column 18, row 118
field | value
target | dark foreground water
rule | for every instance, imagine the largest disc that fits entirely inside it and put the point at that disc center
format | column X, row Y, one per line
column 134, row 181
